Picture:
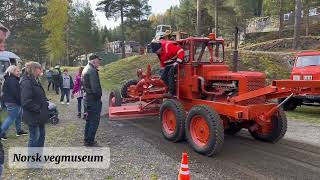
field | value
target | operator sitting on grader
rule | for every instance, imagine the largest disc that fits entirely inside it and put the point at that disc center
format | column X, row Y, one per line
column 170, row 54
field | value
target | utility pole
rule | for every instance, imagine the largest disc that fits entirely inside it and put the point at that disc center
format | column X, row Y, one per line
column 235, row 51
column 297, row 25
column 216, row 17
column 123, row 47
column 199, row 18
column 281, row 19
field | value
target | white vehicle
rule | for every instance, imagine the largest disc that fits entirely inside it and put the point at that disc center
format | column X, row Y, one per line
column 6, row 59
column 162, row 30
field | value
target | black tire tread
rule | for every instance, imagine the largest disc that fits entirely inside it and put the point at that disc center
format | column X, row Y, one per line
column 291, row 104
column 279, row 119
column 216, row 125
column 124, row 89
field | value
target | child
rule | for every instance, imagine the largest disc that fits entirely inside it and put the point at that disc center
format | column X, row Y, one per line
column 67, row 84
column 78, row 92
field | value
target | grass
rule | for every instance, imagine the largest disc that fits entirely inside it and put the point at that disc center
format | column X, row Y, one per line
column 308, row 114
column 116, row 73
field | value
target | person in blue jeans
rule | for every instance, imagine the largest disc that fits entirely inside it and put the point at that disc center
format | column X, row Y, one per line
column 34, row 103
column 66, row 85
column 92, row 99
column 12, row 101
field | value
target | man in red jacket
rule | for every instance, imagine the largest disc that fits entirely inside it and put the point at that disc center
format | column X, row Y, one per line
column 170, row 54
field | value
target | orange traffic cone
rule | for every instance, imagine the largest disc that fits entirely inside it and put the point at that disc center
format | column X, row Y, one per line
column 184, row 173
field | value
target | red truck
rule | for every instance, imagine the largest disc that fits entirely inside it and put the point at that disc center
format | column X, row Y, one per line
column 306, row 66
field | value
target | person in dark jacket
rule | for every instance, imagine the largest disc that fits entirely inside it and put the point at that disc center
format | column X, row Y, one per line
column 11, row 98
column 92, row 99
column 56, row 78
column 48, row 73
column 34, row 103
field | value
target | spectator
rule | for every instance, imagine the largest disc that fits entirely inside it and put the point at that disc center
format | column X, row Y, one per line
column 67, row 84
column 78, row 92
column 92, row 99
column 4, row 33
column 12, row 101
column 56, row 77
column 49, row 78
column 34, row 104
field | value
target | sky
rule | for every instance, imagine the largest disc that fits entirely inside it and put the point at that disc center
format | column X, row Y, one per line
column 158, row 6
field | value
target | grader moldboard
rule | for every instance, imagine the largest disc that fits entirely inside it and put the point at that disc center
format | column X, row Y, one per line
column 210, row 99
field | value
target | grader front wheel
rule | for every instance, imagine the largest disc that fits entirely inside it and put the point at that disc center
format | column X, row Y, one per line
column 278, row 129
column 172, row 116
column 204, row 130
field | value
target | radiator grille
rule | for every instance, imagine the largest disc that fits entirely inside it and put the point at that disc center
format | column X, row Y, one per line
column 254, row 84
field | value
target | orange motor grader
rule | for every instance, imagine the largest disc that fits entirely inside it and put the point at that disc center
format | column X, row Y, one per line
column 210, row 99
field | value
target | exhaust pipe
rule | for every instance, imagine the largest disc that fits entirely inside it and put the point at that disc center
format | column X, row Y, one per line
column 235, row 56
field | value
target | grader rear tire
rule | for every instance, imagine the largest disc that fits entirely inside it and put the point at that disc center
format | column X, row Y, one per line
column 204, row 130
column 125, row 87
column 279, row 129
column 172, row 116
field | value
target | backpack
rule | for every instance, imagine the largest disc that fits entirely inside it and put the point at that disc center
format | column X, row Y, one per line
column 49, row 74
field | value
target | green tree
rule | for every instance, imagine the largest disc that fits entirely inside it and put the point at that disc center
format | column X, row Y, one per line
column 24, row 19
column 54, row 23
column 84, row 36
column 137, row 26
column 117, row 9
column 306, row 5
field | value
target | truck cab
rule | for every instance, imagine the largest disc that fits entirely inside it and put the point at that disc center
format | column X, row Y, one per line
column 306, row 66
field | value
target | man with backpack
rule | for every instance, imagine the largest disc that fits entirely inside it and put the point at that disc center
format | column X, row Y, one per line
column 49, row 78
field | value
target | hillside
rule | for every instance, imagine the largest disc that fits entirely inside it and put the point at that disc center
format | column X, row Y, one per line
column 277, row 45
column 116, row 73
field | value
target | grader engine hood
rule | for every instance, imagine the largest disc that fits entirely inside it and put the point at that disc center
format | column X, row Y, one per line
column 241, row 82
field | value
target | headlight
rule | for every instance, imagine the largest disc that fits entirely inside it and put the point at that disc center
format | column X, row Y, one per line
column 308, row 77
column 296, row 77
